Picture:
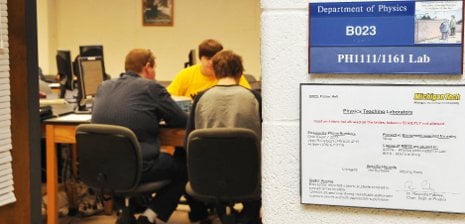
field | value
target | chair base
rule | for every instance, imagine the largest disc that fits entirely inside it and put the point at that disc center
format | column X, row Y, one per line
column 126, row 216
column 227, row 214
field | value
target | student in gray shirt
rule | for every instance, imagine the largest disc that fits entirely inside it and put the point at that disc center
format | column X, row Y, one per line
column 227, row 104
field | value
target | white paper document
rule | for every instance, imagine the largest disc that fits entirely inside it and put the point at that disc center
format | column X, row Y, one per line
column 380, row 146
column 45, row 102
column 75, row 118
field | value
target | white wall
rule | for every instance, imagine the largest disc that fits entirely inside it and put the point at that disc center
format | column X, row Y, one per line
column 236, row 24
column 284, row 66
column 46, row 26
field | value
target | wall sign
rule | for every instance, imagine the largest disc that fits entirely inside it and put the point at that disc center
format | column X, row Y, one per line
column 373, row 37
column 383, row 146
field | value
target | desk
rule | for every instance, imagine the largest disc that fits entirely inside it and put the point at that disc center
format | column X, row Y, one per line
column 59, row 130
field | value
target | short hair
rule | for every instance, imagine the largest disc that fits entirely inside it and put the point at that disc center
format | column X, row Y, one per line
column 227, row 64
column 137, row 58
column 209, row 47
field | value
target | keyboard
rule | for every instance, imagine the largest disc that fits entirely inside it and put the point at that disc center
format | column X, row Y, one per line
column 45, row 112
column 185, row 103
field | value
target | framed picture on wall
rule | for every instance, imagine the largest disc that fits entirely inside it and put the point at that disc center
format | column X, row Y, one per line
column 157, row 12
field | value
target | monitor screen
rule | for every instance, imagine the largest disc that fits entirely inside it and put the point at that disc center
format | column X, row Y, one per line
column 65, row 69
column 92, row 51
column 192, row 58
column 91, row 75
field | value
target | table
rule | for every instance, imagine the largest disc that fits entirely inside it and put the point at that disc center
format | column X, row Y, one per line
column 62, row 130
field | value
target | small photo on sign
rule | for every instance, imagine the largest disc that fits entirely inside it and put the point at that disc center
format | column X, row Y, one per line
column 438, row 22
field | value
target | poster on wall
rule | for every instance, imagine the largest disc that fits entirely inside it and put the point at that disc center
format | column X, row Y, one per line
column 383, row 146
column 386, row 37
column 157, row 12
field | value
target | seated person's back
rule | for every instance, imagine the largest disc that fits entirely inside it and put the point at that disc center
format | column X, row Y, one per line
column 227, row 104
column 137, row 102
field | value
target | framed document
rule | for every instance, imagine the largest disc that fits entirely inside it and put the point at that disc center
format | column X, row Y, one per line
column 383, row 146
column 386, row 37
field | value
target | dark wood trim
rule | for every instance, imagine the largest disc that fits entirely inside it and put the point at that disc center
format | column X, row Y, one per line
column 25, row 126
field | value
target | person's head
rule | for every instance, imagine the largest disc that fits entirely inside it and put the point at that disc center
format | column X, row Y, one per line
column 207, row 49
column 227, row 64
column 142, row 62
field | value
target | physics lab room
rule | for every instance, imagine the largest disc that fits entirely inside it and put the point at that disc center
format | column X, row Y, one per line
column 123, row 42
column 232, row 112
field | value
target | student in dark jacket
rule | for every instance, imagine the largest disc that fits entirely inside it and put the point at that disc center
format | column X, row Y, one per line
column 137, row 102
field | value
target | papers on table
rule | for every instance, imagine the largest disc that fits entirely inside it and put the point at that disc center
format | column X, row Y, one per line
column 46, row 102
column 74, row 118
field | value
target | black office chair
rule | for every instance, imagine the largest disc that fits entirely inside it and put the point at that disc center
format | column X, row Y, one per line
column 250, row 78
column 255, row 84
column 224, row 168
column 110, row 162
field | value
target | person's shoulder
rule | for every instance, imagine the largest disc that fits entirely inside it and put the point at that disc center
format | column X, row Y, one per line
column 238, row 90
column 190, row 70
column 155, row 86
column 244, row 89
column 108, row 82
column 136, row 81
column 249, row 92
column 202, row 93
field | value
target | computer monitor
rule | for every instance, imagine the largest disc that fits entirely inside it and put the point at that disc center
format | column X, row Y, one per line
column 192, row 58
column 91, row 75
column 65, row 70
column 92, row 51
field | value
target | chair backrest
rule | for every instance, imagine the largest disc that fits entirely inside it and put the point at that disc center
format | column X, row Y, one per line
column 224, row 163
column 110, row 157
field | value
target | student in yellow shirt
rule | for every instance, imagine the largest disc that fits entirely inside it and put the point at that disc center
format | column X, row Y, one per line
column 189, row 81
